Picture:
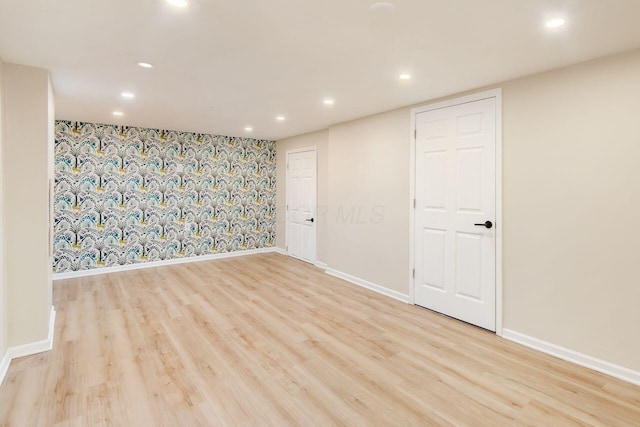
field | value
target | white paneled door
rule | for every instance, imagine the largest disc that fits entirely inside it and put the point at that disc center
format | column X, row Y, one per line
column 301, row 204
column 455, row 241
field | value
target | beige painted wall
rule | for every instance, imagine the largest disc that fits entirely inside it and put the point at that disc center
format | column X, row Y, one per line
column 368, row 225
column 26, row 169
column 571, row 186
column 318, row 140
column 51, row 135
column 571, row 202
column 3, row 296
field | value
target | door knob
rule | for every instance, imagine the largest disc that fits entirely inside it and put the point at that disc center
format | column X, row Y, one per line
column 310, row 220
column 487, row 224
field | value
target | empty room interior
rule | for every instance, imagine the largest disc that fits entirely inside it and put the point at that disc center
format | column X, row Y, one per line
column 318, row 213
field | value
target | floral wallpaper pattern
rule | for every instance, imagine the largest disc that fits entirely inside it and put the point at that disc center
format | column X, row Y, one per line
column 126, row 195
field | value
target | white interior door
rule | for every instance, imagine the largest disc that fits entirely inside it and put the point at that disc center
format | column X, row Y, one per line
column 301, row 204
column 455, row 242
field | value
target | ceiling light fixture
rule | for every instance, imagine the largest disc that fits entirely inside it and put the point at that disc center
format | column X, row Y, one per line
column 328, row 102
column 382, row 6
column 178, row 3
column 145, row 65
column 404, row 76
column 555, row 23
column 248, row 129
column 127, row 95
column 280, row 118
column 117, row 113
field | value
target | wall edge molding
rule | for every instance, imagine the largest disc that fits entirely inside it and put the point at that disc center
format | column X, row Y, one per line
column 368, row 285
column 152, row 264
column 28, row 349
column 573, row 356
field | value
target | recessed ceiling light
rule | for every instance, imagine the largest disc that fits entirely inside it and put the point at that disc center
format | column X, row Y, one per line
column 145, row 65
column 328, row 101
column 127, row 95
column 280, row 118
column 178, row 3
column 248, row 129
column 382, row 6
column 117, row 113
column 555, row 23
column 404, row 76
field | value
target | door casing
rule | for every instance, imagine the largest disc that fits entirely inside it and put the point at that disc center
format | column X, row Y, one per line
column 494, row 93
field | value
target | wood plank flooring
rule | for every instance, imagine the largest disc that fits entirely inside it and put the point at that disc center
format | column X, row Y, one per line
column 266, row 340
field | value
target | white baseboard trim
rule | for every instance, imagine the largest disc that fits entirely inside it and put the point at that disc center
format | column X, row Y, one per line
column 368, row 285
column 52, row 326
column 28, row 349
column 321, row 265
column 280, row 251
column 581, row 359
column 4, row 365
column 151, row 264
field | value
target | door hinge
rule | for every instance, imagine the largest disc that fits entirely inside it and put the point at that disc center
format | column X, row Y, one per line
column 414, row 273
column 287, row 166
column 286, row 248
column 414, row 203
column 287, row 207
column 415, row 134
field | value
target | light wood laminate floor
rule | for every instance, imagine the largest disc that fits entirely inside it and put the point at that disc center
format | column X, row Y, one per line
column 268, row 340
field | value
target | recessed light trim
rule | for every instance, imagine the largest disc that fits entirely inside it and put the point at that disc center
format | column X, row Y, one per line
column 118, row 113
column 178, row 3
column 281, row 118
column 404, row 76
column 145, row 65
column 382, row 6
column 128, row 95
column 329, row 101
column 555, row 23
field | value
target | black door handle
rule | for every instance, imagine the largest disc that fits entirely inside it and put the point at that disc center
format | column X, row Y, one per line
column 487, row 224
column 310, row 220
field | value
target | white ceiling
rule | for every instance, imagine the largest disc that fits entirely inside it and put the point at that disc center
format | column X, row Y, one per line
column 224, row 64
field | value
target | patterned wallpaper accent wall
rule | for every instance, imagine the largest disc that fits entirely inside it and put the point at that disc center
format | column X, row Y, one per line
column 127, row 195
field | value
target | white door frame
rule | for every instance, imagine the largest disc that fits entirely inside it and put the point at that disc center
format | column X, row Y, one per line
column 287, row 198
column 494, row 93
